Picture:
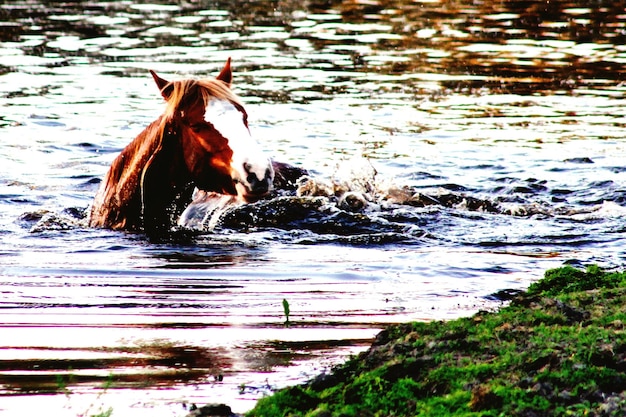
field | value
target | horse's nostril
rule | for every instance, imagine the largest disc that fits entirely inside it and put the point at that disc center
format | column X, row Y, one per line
column 255, row 184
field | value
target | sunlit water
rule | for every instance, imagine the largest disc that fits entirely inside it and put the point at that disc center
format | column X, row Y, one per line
column 522, row 107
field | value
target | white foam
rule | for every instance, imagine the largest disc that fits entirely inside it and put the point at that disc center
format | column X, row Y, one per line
column 206, row 210
column 608, row 209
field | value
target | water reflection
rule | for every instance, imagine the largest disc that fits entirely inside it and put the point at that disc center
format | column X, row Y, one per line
column 523, row 47
column 155, row 363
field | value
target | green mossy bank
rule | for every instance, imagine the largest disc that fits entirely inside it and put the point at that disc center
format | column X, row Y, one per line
column 558, row 349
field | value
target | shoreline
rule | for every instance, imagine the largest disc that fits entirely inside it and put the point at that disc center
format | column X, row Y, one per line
column 558, row 348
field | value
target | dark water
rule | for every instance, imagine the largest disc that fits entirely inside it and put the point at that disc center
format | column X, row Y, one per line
column 518, row 106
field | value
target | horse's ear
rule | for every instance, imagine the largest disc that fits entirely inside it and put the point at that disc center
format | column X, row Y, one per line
column 162, row 83
column 226, row 73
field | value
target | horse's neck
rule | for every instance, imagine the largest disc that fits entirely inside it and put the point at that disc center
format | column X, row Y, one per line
column 134, row 158
column 139, row 169
column 165, row 183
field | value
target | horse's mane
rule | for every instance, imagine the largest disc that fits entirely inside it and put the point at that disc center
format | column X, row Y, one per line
column 178, row 95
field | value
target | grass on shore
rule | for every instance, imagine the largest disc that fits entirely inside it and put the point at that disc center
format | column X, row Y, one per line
column 558, row 349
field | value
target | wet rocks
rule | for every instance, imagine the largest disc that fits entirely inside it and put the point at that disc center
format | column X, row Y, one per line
column 211, row 410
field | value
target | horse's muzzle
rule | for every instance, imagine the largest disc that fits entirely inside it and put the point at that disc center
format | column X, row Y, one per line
column 256, row 187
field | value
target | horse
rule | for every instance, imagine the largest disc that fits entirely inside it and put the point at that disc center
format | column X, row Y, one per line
column 201, row 141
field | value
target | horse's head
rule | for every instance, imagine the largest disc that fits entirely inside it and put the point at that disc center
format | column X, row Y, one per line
column 212, row 124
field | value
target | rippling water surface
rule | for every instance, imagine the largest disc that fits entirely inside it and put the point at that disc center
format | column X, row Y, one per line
column 519, row 105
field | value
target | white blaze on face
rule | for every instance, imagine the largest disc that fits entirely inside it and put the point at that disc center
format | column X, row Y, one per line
column 228, row 121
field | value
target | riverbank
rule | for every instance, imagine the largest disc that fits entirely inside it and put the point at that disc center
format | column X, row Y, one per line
column 558, row 349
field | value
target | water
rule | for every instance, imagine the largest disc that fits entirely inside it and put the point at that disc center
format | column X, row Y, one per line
column 519, row 104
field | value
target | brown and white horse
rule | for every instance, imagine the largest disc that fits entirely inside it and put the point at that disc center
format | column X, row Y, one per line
column 202, row 140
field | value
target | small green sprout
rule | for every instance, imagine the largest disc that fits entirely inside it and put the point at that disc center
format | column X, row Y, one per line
column 286, row 310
